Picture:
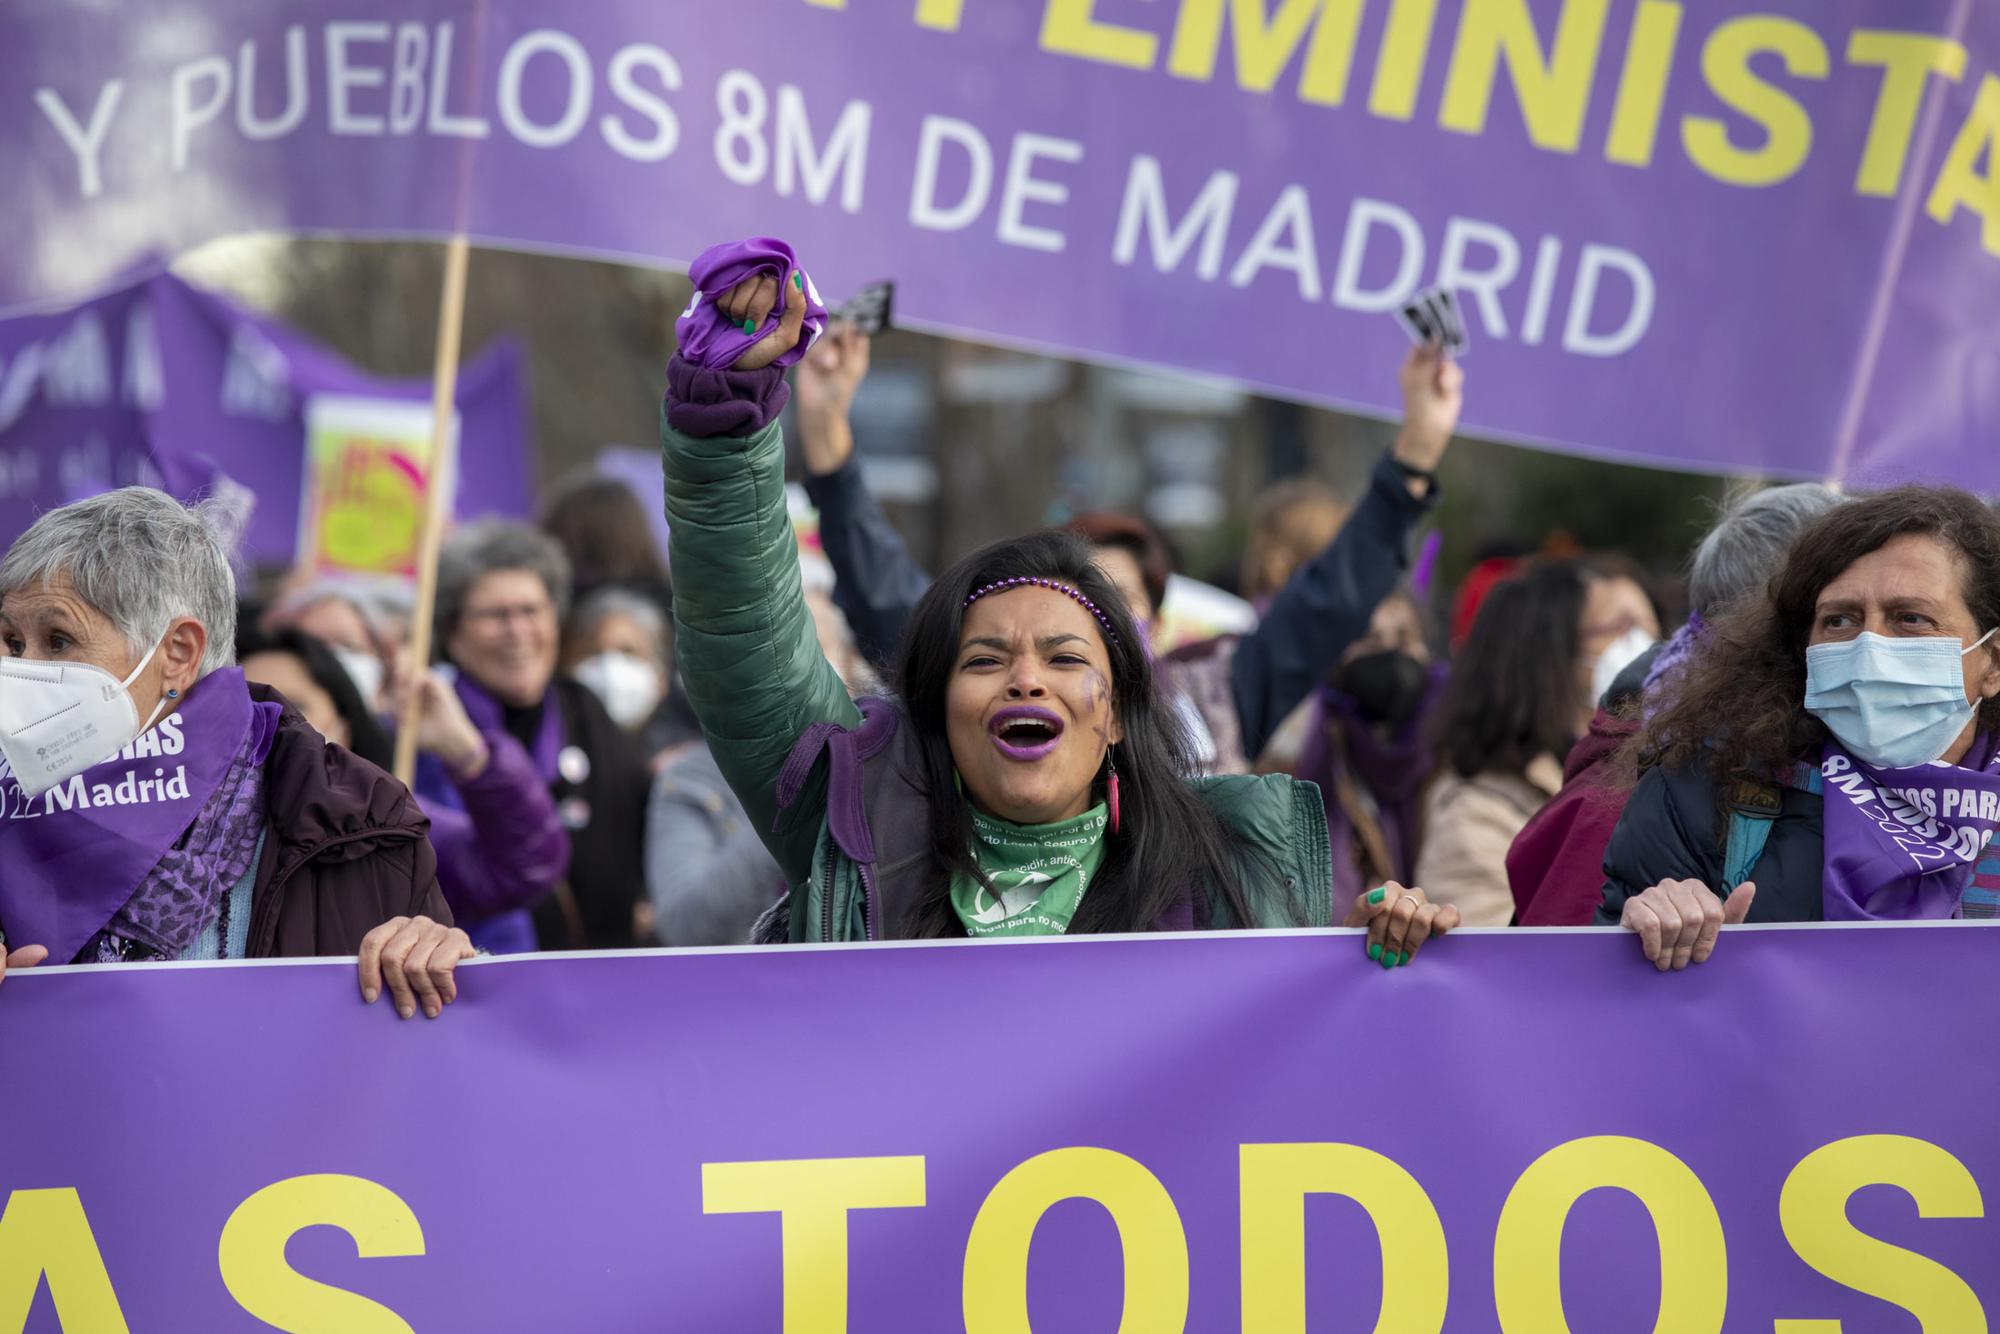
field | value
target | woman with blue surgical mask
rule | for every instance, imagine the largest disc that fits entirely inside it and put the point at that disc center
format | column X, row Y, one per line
column 1834, row 750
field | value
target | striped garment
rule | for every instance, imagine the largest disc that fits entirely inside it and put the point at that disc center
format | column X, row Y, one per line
column 1982, row 896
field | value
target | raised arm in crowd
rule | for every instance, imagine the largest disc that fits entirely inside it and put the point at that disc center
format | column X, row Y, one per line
column 1028, row 779
column 1315, row 616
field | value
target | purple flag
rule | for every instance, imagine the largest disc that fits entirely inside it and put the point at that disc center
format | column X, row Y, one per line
column 1687, row 233
column 159, row 383
column 1523, row 1127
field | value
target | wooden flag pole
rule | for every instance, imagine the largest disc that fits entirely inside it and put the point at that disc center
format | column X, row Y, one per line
column 437, row 511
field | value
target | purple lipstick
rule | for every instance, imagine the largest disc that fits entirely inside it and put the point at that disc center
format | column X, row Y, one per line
column 1026, row 733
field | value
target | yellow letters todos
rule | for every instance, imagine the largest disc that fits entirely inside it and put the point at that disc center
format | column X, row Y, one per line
column 1149, row 1231
column 1813, row 1209
column 1275, row 1180
column 1527, row 1249
column 811, row 1197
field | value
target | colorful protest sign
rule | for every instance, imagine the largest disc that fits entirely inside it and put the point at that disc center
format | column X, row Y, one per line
column 1760, row 238
column 162, row 384
column 369, row 473
column 1527, row 1131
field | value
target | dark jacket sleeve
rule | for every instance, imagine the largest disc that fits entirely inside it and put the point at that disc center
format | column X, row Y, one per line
column 1324, row 607
column 1672, row 829
column 876, row 582
column 507, row 848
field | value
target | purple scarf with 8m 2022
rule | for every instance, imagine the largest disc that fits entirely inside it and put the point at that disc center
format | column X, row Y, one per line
column 1901, row 844
column 710, row 339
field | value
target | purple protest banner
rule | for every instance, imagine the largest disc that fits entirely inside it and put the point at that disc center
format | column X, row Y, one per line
column 1523, row 1127
column 159, row 383
column 1729, row 239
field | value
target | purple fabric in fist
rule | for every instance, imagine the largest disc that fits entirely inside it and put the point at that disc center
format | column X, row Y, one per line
column 708, row 338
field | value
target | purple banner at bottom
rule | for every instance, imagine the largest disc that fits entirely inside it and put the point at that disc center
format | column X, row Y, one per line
column 1248, row 1132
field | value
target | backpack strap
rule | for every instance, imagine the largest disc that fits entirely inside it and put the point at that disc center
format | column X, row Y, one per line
column 1752, row 808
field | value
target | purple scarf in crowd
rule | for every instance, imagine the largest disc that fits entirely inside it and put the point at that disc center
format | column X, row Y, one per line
column 1674, row 654
column 1391, row 769
column 1901, row 844
column 143, row 847
column 711, row 340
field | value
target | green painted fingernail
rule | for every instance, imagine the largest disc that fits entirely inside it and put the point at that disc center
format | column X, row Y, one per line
column 1377, row 895
column 1374, row 950
column 1402, row 959
column 798, row 280
column 749, row 326
column 1389, row 959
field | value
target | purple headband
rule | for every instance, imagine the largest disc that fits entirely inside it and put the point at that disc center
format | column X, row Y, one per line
column 1075, row 594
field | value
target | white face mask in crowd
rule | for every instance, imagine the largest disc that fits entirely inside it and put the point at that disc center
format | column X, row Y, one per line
column 1893, row 703
column 1621, row 653
column 629, row 687
column 365, row 670
column 59, row 718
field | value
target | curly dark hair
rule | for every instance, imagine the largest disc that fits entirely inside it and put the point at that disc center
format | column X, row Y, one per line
column 1739, row 709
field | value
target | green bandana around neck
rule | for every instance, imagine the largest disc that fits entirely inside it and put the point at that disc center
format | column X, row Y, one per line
column 1040, row 872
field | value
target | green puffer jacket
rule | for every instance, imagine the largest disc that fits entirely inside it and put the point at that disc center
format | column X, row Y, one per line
column 850, row 829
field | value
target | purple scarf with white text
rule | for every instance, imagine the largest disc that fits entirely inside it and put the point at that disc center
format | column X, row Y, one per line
column 1901, row 844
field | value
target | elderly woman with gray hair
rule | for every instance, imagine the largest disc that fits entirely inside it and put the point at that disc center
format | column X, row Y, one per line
column 154, row 806
column 503, row 590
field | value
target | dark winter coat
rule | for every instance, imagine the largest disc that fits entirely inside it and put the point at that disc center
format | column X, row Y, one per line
column 347, row 848
column 1676, row 827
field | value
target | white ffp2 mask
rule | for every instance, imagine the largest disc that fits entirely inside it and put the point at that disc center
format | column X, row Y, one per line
column 629, row 687
column 60, row 718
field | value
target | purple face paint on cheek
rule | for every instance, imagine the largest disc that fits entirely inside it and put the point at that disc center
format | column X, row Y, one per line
column 1096, row 699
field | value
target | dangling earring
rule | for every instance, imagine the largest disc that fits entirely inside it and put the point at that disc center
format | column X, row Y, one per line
column 1111, row 788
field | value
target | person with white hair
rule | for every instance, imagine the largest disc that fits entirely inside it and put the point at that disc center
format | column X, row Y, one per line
column 155, row 806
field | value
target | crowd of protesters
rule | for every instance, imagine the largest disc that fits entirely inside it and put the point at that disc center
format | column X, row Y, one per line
column 736, row 740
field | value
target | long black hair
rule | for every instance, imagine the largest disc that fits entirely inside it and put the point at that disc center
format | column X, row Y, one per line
column 1171, row 845
column 1514, row 691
